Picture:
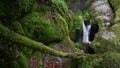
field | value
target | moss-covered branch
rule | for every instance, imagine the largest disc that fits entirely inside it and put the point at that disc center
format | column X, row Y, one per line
column 12, row 36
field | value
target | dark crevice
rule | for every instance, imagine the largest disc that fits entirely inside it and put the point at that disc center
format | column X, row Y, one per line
column 111, row 6
column 94, row 29
column 90, row 50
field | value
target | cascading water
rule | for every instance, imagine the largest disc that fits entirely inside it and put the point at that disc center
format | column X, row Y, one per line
column 86, row 31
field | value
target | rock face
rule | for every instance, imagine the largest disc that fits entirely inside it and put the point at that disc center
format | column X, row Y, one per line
column 50, row 22
column 108, row 40
column 115, row 5
column 82, row 5
column 100, row 9
column 58, row 62
column 103, row 11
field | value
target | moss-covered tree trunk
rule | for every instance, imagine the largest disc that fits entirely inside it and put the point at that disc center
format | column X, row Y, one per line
column 12, row 36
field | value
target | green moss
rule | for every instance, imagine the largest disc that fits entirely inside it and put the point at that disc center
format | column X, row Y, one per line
column 16, row 26
column 106, row 60
column 90, row 61
column 110, row 60
column 51, row 45
column 44, row 9
column 117, row 18
column 61, row 26
column 115, row 4
column 38, row 55
column 37, row 28
column 74, row 63
column 23, row 60
column 16, row 65
column 27, row 51
column 25, row 5
column 101, row 45
column 78, row 45
column 60, row 4
column 68, row 42
column 74, row 23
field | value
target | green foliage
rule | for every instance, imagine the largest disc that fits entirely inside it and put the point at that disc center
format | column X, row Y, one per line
column 103, row 45
column 15, row 64
column 17, row 27
column 23, row 60
column 86, row 15
column 117, row 18
column 43, row 9
column 110, row 60
column 90, row 61
column 62, row 24
column 115, row 4
column 106, row 60
column 60, row 4
column 78, row 24
column 78, row 45
column 74, row 63
column 36, row 27
column 74, row 22
column 25, row 5
column 27, row 51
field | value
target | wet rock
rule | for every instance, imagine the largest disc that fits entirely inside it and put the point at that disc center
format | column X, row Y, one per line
column 33, row 62
column 107, row 40
column 107, row 34
column 102, row 11
column 52, row 61
column 57, row 62
column 80, row 5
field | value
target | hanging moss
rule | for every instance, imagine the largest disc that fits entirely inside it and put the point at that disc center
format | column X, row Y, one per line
column 74, row 22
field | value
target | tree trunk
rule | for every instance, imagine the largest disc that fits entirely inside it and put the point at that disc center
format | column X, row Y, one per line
column 12, row 36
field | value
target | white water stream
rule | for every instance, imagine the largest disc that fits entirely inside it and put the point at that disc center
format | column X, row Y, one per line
column 86, row 31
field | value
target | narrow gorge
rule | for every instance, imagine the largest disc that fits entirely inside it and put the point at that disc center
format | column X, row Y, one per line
column 59, row 33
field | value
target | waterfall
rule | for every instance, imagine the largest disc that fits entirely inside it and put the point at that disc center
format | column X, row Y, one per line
column 86, row 31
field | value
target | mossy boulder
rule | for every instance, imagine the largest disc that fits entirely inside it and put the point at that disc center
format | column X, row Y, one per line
column 116, row 8
column 106, row 60
column 38, row 28
column 115, row 4
column 117, row 18
column 74, row 22
column 107, row 40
